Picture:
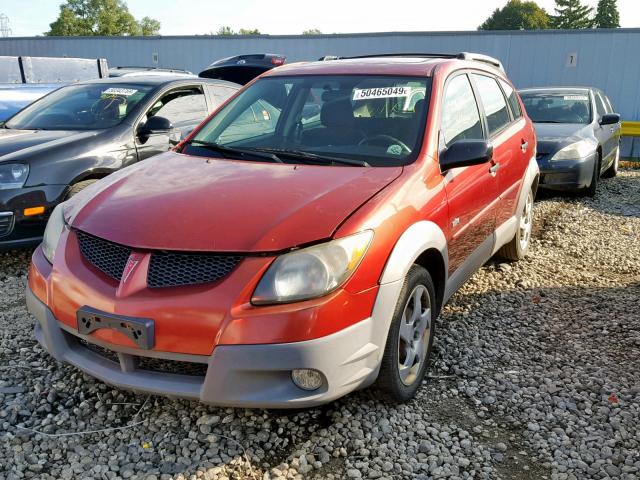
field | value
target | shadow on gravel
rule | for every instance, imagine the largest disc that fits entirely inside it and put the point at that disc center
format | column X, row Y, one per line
column 618, row 196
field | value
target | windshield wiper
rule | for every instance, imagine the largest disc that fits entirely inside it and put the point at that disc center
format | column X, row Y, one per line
column 312, row 157
column 237, row 152
column 546, row 121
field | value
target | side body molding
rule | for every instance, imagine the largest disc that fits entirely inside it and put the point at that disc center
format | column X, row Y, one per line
column 419, row 237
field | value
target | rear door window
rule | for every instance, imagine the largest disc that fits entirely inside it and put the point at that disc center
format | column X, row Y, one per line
column 494, row 103
column 512, row 98
column 460, row 115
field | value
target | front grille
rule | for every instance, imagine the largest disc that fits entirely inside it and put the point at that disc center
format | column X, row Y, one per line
column 103, row 352
column 175, row 367
column 172, row 366
column 6, row 223
column 180, row 269
column 166, row 269
column 106, row 256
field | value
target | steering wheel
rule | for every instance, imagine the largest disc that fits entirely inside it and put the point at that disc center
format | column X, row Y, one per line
column 385, row 140
column 107, row 108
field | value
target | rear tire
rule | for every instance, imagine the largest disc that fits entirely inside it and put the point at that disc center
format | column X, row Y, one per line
column 77, row 187
column 612, row 171
column 518, row 247
column 591, row 190
column 410, row 338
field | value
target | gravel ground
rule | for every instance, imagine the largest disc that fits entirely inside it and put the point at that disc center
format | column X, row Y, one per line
column 536, row 375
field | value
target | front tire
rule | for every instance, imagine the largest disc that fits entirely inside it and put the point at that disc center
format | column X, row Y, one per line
column 518, row 247
column 612, row 171
column 410, row 338
column 591, row 190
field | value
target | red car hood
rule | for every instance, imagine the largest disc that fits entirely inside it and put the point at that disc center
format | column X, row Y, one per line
column 178, row 202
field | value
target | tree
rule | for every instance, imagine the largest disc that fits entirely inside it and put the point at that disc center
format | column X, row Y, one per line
column 247, row 31
column 607, row 15
column 571, row 14
column 312, row 31
column 100, row 17
column 225, row 31
column 517, row 15
column 149, row 26
column 243, row 31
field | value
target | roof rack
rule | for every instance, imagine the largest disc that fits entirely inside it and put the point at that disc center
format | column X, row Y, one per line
column 477, row 57
column 150, row 69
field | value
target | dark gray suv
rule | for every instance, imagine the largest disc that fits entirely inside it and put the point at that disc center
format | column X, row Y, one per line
column 578, row 136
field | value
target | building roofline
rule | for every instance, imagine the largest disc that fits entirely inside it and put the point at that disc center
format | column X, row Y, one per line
column 347, row 35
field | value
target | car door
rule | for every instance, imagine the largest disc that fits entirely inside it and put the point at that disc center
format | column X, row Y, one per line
column 184, row 106
column 612, row 132
column 603, row 133
column 509, row 139
column 471, row 191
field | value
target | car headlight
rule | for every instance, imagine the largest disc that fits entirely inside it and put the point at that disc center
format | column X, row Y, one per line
column 311, row 272
column 576, row 150
column 13, row 175
column 55, row 227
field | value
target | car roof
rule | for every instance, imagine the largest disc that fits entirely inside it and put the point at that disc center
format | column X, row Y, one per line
column 401, row 65
column 158, row 80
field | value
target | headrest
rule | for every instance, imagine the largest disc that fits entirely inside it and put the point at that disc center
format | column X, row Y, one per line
column 337, row 113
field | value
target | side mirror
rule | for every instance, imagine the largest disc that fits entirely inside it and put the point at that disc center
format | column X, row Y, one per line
column 464, row 153
column 610, row 119
column 155, row 125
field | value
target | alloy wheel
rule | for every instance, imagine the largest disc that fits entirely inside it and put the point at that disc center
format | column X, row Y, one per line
column 526, row 222
column 415, row 331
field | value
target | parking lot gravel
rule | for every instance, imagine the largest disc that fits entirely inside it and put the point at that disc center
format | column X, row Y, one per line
column 536, row 374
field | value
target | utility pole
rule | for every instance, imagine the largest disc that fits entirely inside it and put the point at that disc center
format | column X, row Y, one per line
column 5, row 30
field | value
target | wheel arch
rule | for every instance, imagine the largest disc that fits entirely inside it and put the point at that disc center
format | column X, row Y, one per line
column 423, row 243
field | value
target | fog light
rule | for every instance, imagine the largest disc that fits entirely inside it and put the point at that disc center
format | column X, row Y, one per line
column 306, row 379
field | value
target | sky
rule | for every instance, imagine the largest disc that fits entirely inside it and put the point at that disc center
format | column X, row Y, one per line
column 191, row 17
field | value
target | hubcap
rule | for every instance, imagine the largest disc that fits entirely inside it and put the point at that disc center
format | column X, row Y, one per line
column 415, row 331
column 526, row 220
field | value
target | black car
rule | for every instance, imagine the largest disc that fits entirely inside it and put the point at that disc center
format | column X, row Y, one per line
column 243, row 68
column 578, row 136
column 80, row 133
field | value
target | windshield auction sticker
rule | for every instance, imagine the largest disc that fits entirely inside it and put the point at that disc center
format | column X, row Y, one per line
column 127, row 92
column 381, row 92
column 577, row 98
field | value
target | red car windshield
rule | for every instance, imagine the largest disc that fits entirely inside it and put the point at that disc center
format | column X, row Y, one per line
column 379, row 120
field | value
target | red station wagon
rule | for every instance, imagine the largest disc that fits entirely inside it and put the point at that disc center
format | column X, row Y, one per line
column 301, row 242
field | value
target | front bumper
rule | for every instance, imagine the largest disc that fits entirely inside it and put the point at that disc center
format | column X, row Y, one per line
column 253, row 376
column 573, row 174
column 27, row 231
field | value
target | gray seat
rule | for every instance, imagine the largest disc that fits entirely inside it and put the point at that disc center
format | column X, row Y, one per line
column 338, row 126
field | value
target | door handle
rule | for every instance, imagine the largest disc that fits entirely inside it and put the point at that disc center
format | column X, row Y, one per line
column 494, row 167
column 524, row 146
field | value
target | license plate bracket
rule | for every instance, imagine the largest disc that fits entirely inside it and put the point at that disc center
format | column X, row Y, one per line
column 140, row 330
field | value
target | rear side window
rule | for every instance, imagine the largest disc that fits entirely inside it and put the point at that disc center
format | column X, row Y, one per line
column 512, row 98
column 460, row 116
column 220, row 94
column 495, row 106
column 181, row 107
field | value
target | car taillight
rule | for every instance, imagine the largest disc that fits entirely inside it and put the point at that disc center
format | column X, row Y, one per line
column 277, row 60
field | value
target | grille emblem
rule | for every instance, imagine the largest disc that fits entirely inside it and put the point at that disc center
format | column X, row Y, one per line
column 132, row 263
